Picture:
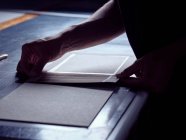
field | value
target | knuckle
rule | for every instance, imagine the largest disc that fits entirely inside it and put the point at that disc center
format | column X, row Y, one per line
column 25, row 47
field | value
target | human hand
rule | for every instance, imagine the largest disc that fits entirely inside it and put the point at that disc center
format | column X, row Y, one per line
column 153, row 71
column 36, row 54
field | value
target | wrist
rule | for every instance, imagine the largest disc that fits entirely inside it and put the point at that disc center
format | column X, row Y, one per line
column 67, row 39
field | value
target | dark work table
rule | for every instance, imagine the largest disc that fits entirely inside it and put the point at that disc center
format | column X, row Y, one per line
column 115, row 119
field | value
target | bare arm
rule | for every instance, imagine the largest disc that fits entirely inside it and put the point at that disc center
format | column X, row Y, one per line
column 104, row 25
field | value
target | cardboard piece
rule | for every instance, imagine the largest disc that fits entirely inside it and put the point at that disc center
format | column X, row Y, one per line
column 52, row 104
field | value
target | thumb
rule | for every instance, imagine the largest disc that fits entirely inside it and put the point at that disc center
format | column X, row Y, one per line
column 133, row 69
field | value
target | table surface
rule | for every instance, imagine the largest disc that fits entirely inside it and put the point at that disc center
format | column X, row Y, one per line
column 115, row 118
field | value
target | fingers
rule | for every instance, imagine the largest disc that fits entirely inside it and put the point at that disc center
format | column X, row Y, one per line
column 24, row 64
column 34, row 71
column 127, row 79
column 23, row 68
column 37, row 68
column 133, row 69
column 31, row 62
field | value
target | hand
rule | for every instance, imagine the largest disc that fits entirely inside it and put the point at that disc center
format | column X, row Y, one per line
column 36, row 54
column 153, row 71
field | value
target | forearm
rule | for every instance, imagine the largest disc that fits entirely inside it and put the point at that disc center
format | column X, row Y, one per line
column 102, row 26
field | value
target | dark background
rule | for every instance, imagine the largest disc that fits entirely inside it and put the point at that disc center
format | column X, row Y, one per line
column 53, row 5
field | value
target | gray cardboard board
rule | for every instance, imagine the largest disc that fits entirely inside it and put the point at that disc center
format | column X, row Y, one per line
column 53, row 104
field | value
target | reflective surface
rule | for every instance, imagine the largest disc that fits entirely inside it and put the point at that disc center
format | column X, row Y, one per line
column 11, row 41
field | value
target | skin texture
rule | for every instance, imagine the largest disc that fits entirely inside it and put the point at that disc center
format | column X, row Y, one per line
column 153, row 70
column 37, row 53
